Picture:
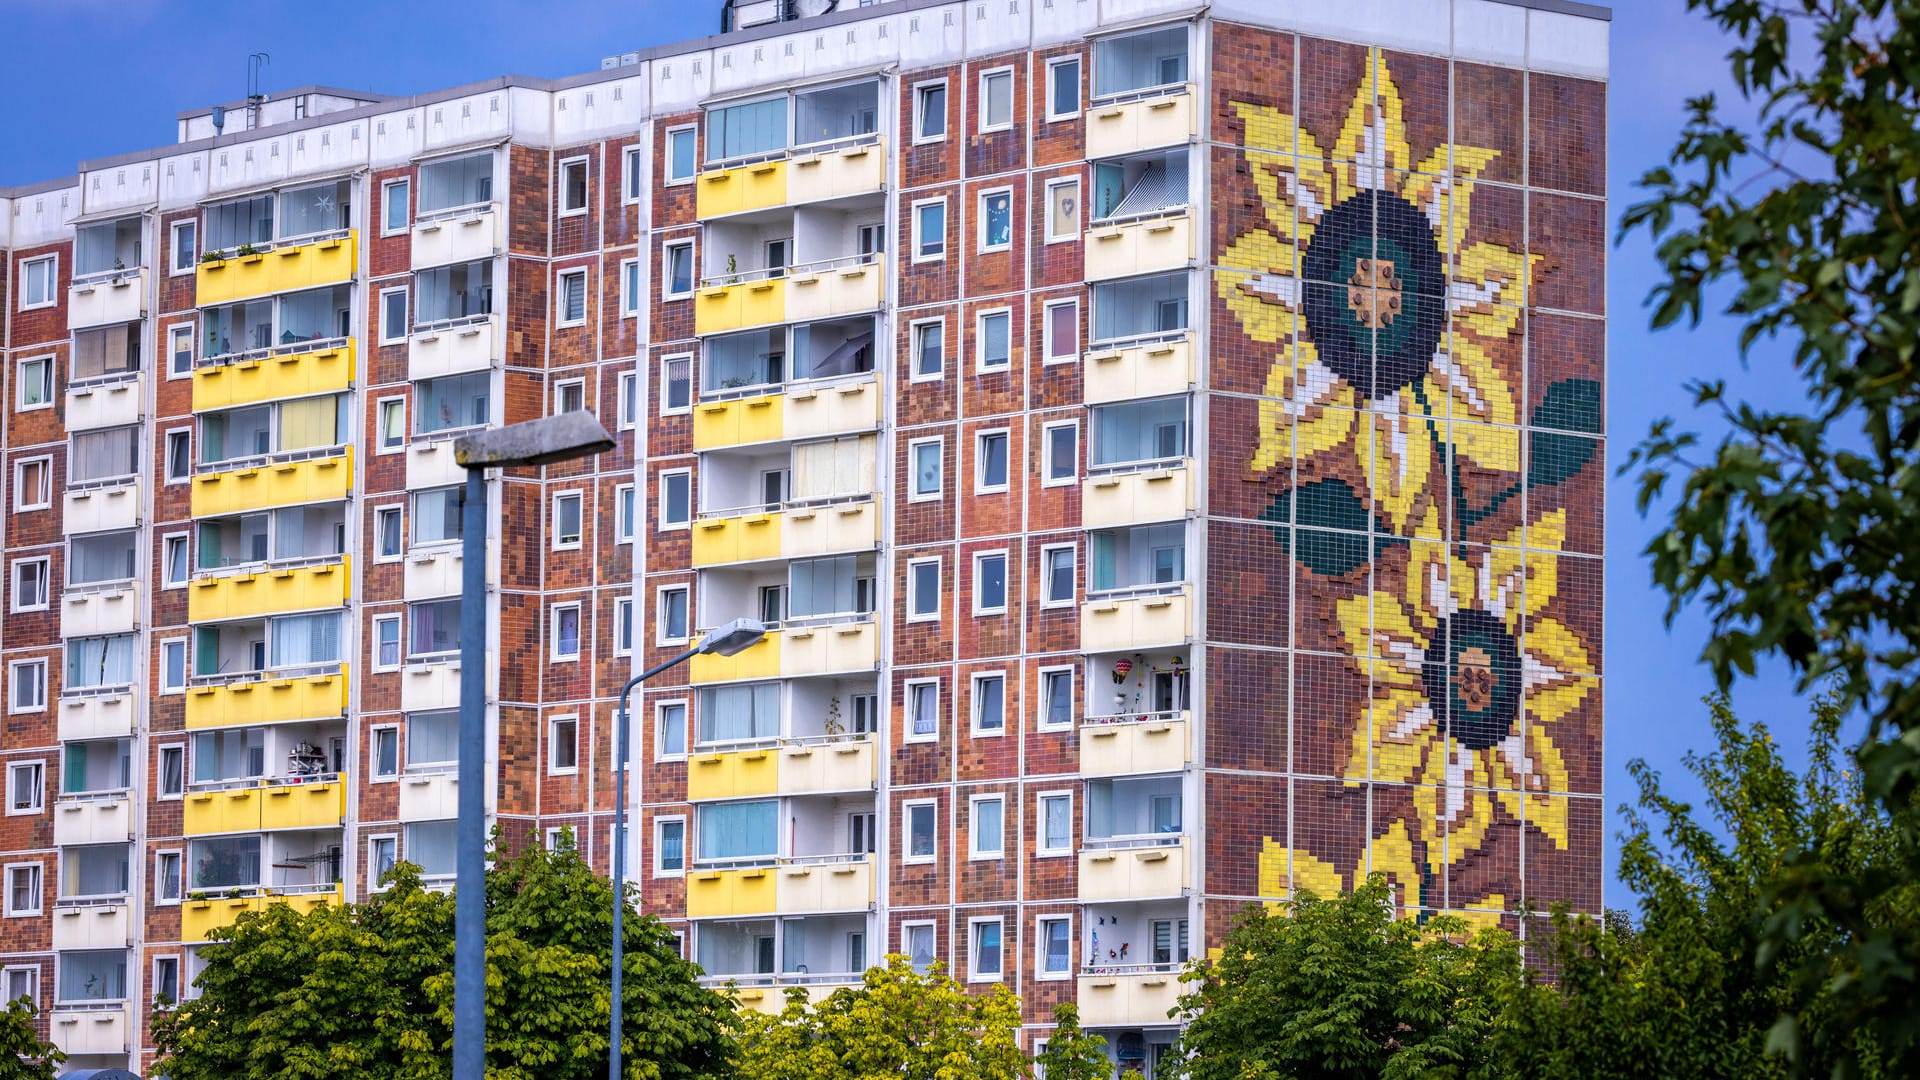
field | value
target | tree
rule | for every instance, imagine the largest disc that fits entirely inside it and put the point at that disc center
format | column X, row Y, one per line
column 23, row 1054
column 366, row 990
column 899, row 1024
column 1071, row 1053
column 1339, row 988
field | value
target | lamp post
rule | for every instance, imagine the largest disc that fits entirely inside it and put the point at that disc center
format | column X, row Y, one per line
column 733, row 637
column 535, row 442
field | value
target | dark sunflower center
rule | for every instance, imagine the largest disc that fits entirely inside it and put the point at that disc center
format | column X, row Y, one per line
column 1472, row 679
column 1375, row 292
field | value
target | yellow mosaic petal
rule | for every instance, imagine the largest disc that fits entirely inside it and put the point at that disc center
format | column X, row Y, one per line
column 1394, row 755
column 1284, row 870
column 1292, row 430
column 1490, row 446
column 1426, row 558
column 1397, row 457
column 1466, row 833
column 1373, row 139
column 1252, row 258
column 1545, row 539
column 1482, row 914
column 1496, row 278
column 1475, row 387
column 1391, row 853
column 1552, row 644
column 1368, row 621
column 1320, row 186
column 1550, row 775
column 1543, row 812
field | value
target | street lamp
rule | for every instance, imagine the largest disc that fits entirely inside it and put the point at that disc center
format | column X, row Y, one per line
column 736, row 636
column 535, row 442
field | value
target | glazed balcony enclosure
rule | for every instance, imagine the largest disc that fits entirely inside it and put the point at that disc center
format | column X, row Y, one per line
column 455, row 216
column 1135, row 846
column 200, row 917
column 1144, row 724
column 1130, row 961
column 108, row 273
column 751, row 393
column 784, row 738
column 831, row 286
column 90, row 1002
column 790, row 502
column 261, row 329
column 96, row 782
column 1138, row 595
column 781, row 856
column 1142, row 94
column 277, row 242
column 454, row 327
column 760, row 958
column 229, row 874
column 1138, row 463
column 807, row 146
column 103, row 480
column 281, row 453
column 1141, row 221
column 101, row 597
column 267, row 670
column 103, row 377
column 803, row 593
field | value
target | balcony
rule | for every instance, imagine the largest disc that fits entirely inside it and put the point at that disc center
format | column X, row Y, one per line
column 458, row 234
column 768, row 993
column 91, row 925
column 800, row 766
column 1134, row 869
column 298, row 369
column 1137, row 494
column 1143, row 245
column 725, row 308
column 800, row 530
column 104, row 402
column 799, row 410
column 430, row 796
column 433, row 572
column 108, row 715
column 113, row 296
column 1137, row 368
column 1133, row 995
column 98, row 610
column 1146, row 119
column 89, row 1029
column 431, row 684
column 787, row 887
column 816, row 173
column 430, row 463
column 265, row 806
column 1135, row 743
column 93, row 818
column 199, row 918
column 830, row 288
column 797, row 651
column 288, row 585
column 327, row 258
column 273, row 697
column 1152, row 618
column 323, row 474
column 101, row 506
column 454, row 347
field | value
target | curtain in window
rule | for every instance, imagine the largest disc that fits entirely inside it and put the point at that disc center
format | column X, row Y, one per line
column 95, row 871
column 234, row 754
column 1099, row 810
column 754, row 128
column 821, row 586
column 734, row 713
column 93, row 976
column 459, row 182
column 98, row 455
column 436, row 627
column 436, row 514
column 299, row 640
column 794, row 956
column 835, row 467
column 100, row 661
column 743, row 830
column 433, row 738
column 1059, row 824
column 244, row 221
column 1138, row 431
column 100, row 557
column 431, row 845
column 319, row 209
column 309, row 422
column 106, row 351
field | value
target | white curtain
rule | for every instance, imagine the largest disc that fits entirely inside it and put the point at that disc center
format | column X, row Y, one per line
column 834, row 467
column 96, row 455
column 306, row 639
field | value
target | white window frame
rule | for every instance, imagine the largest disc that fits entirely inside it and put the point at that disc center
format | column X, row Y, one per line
column 666, row 262
column 925, row 616
column 374, row 775
column 914, row 352
column 973, row 705
column 919, row 255
column 980, row 339
column 166, row 564
column 1047, row 211
column 373, row 861
column 185, row 435
column 399, row 625
column 158, row 877
column 1047, row 479
column 632, row 159
column 659, row 845
column 1079, row 78
column 631, row 288
column 980, row 485
column 1006, row 581
column 973, row 952
column 980, row 230
column 661, row 751
column 659, row 619
column 625, row 506
column 39, row 893
column 46, row 583
column 666, row 155
column 553, row 741
column 560, row 277
column 914, row 494
column 46, row 463
column 623, row 624
column 53, row 281
column 580, row 497
column 974, row 852
column 387, row 336
column 560, row 389
column 380, row 514
column 554, row 612
column 174, row 269
column 1040, row 972
column 1046, row 332
column 380, row 407
column 906, row 938
column 626, row 406
column 1040, row 799
column 386, row 194
column 666, row 363
column 153, row 975
column 174, row 331
column 159, row 785
column 20, row 382
column 907, row 734
column 14, row 769
column 160, row 652
column 920, row 138
column 675, row 526
column 13, row 675
column 586, row 185
column 987, row 125
column 1046, row 574
column 906, row 832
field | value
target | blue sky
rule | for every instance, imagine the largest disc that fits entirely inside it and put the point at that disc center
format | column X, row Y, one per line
column 99, row 77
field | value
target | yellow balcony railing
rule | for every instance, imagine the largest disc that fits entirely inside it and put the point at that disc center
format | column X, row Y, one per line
column 265, row 808
column 803, row 410
column 801, row 531
column 285, row 267
column 806, row 174
column 790, row 887
column 1120, row 745
column 268, row 698
column 1148, row 871
column 757, row 186
column 198, row 918
column 743, row 305
column 286, row 372
column 1161, row 616
column 268, row 590
column 1123, row 127
column 796, row 651
column 262, row 484
column 1142, row 246
column 795, row 767
column 766, row 994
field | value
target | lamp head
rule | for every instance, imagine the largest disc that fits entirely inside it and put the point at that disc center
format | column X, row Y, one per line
column 534, row 442
column 733, row 637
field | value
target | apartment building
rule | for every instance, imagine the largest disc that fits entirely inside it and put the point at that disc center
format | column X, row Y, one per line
column 1165, row 441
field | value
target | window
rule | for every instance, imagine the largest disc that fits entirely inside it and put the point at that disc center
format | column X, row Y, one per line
column 179, row 351
column 623, row 626
column 452, row 402
column 387, row 542
column 563, row 745
column 573, row 187
column 995, row 340
column 930, row 230
column 393, row 316
column 33, row 484
column 671, row 615
column 989, row 704
column 21, row 982
column 1136, row 431
column 382, row 853
column 26, row 686
column 984, row 949
column 26, row 784
column 1057, row 576
column 627, row 393
column 996, row 100
column 923, row 589
column 681, row 159
column 676, row 385
column 1063, row 210
column 179, row 455
column 1062, row 329
column 37, row 282
column 107, row 556
column 923, row 709
column 173, row 561
column 1060, row 453
column 920, row 845
column 1055, row 827
column 166, row 979
column 385, row 753
column 990, row 462
column 185, row 247
column 676, row 499
column 930, row 112
column 570, row 395
column 386, row 642
column 1122, row 65
column 989, row 826
column 570, row 297
column 394, row 198
column 438, row 515
column 454, row 182
column 669, row 847
column 567, row 520
column 927, row 459
column 623, row 514
column 871, row 239
column 447, row 293
column 1056, row 952
column 929, row 349
column 103, row 455
column 433, row 739
column 676, row 269
column 916, row 942
column 30, row 580
column 630, row 288
column 1063, row 88
column 166, row 876
column 391, row 422
column 173, row 771
column 670, row 724
column 24, row 889
column 34, row 389
column 566, row 631
column 633, row 175
column 996, row 220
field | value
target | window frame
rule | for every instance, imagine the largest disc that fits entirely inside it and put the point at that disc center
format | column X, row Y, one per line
column 39, row 804
column 914, row 494
column 45, row 461
column 576, row 495
column 161, row 753
column 626, row 404
column 1040, row 799
column 1047, row 462
column 907, row 733
column 374, row 735
column 1047, row 309
column 554, row 612
column 20, row 382
column 907, row 808
column 186, row 672
column 660, row 595
column 398, row 622
column 920, row 89
column 983, row 245
column 1047, row 600
column 167, row 437
column 397, row 512
column 174, row 229
column 632, row 288
column 387, row 228
column 167, row 541
column 623, row 626
column 920, row 254
column 158, row 877
column 986, row 125
column 392, row 840
column 45, row 563
column 660, row 870
column 1046, row 203
column 1040, row 972
column 406, row 327
column 626, row 514
column 932, row 615
column 13, row 675
column 973, row 949
column 1079, row 76
column 980, row 362
column 563, row 182
column 554, row 723
column 1006, row 582
column 662, row 522
column 906, row 939
column 380, row 407
column 975, row 679
column 980, row 484
column 560, row 317
column 915, row 354
column 175, row 330
column 974, row 851
column 666, row 155
column 560, row 389
column 52, row 262
column 662, row 752
column 632, row 173
column 667, row 249
column 39, row 893
column 666, row 363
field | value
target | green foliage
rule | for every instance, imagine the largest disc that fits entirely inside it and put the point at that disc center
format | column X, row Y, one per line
column 1071, row 1053
column 1339, row 988
column 366, row 990
column 23, row 1055
column 898, row 1025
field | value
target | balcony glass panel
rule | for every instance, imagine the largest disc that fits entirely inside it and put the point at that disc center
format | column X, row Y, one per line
column 93, row 976
column 461, row 181
column 455, row 401
column 453, row 292
column 232, row 225
column 103, row 455
column 305, row 640
column 837, row 112
column 435, row 627
column 225, row 862
column 1138, row 431
column 753, row 359
column 308, row 532
column 94, row 870
column 99, row 765
column 109, row 350
column 1123, row 65
column 237, row 328
column 431, row 846
column 232, row 754
column 735, row 949
column 738, row 831
column 1136, row 558
column 836, row 586
column 437, row 515
column 315, row 315
column 99, row 661
column 1140, row 307
column 824, row 350
column 739, row 713
column 1146, row 806
column 109, row 245
column 101, row 557
column 757, row 127
column 433, row 739
column 321, row 208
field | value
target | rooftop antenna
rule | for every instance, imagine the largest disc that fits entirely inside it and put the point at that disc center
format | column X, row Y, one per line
column 255, row 61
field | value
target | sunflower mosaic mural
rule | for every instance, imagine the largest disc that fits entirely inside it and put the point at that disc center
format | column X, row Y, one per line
column 1412, row 473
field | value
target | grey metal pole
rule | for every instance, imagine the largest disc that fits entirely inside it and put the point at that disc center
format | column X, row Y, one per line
column 470, row 885
column 620, row 764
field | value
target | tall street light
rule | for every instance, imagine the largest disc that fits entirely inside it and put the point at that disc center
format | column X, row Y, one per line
column 736, row 636
column 535, row 442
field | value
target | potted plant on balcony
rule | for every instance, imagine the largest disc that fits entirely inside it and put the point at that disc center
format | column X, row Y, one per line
column 212, row 255
column 832, row 723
